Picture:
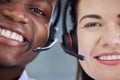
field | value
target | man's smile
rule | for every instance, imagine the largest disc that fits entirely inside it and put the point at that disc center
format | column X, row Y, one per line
column 11, row 35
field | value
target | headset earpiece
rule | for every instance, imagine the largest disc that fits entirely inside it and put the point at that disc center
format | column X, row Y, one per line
column 74, row 41
column 67, row 41
column 70, row 41
column 69, row 38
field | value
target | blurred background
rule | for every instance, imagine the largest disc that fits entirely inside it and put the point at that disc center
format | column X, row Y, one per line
column 54, row 64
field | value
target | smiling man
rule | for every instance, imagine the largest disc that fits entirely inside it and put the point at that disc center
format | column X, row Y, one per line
column 24, row 25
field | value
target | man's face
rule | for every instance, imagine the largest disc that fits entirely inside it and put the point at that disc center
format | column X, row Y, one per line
column 23, row 26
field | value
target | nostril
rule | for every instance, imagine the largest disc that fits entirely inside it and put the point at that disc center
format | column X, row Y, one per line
column 8, row 17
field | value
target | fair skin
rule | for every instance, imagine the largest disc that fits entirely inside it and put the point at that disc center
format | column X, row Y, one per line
column 98, row 33
column 27, row 21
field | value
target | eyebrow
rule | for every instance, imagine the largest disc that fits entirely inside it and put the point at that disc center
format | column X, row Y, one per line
column 91, row 16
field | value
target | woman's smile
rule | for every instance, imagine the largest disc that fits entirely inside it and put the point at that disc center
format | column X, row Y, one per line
column 109, row 58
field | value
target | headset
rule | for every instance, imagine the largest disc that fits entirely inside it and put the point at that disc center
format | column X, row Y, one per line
column 53, row 29
column 69, row 39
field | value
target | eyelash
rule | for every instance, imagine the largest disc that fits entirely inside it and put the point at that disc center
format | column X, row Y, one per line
column 37, row 11
column 93, row 24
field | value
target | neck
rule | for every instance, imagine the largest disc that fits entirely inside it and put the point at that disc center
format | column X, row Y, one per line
column 10, row 73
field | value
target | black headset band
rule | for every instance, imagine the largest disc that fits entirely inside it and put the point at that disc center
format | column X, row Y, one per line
column 68, row 37
column 53, row 24
column 64, row 26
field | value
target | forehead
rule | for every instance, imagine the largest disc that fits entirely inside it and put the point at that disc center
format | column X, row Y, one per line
column 97, row 2
column 98, row 6
column 50, row 2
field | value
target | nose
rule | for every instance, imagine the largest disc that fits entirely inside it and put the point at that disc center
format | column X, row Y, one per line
column 111, row 37
column 17, row 14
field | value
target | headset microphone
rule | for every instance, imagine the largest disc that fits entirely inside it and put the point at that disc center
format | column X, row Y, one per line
column 38, row 49
column 81, row 57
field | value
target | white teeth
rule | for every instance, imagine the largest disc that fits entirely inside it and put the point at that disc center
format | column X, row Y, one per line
column 20, row 38
column 17, row 37
column 11, row 35
column 8, row 33
column 109, row 57
column 3, row 32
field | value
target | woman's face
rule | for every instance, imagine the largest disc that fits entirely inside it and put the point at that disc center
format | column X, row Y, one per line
column 23, row 27
column 98, row 33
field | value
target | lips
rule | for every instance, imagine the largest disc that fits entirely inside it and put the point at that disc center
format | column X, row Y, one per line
column 109, row 58
column 11, row 35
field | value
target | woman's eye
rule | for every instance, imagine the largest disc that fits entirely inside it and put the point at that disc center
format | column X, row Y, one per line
column 93, row 24
column 37, row 11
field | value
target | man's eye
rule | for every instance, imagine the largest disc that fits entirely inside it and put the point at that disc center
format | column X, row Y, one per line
column 93, row 24
column 37, row 11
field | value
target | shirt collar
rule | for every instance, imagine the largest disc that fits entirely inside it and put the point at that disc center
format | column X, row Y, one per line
column 24, row 76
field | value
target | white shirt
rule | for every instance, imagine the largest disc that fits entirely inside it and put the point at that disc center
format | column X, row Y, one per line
column 24, row 76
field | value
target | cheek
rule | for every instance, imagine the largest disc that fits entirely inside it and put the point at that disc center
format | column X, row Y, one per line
column 87, row 42
column 41, row 35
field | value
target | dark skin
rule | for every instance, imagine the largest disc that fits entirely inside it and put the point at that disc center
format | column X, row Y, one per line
column 23, row 27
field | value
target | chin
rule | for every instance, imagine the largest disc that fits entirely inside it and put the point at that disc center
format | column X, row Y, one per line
column 10, row 62
column 107, row 77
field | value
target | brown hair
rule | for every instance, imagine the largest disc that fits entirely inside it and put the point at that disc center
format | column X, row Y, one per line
column 80, row 74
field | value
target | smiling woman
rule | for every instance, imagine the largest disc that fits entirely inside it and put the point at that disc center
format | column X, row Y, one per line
column 96, row 29
column 24, row 25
